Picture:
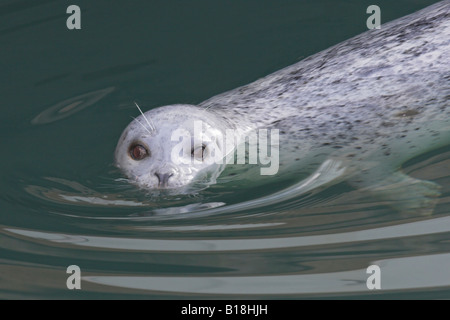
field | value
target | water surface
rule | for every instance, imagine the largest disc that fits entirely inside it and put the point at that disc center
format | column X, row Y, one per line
column 65, row 98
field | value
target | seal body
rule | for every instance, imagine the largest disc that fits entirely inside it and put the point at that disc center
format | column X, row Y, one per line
column 381, row 86
column 371, row 102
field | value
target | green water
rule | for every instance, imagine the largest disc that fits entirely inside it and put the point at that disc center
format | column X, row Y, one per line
column 65, row 98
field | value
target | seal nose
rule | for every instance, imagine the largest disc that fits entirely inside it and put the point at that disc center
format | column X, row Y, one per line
column 163, row 178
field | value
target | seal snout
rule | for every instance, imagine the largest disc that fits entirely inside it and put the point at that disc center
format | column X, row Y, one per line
column 163, row 178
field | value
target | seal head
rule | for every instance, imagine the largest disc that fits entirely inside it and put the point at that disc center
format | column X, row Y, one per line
column 167, row 147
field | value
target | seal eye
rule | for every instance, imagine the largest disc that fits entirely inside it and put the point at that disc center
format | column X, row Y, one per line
column 138, row 152
column 199, row 152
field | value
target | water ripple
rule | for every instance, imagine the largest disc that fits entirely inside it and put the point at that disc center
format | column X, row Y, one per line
column 398, row 273
column 70, row 106
column 425, row 227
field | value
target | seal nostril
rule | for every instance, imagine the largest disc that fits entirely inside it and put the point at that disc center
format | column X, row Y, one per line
column 163, row 178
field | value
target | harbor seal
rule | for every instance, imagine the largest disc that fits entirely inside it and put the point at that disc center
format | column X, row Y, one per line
column 371, row 102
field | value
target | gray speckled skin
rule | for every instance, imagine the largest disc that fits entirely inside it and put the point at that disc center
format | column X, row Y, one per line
column 375, row 100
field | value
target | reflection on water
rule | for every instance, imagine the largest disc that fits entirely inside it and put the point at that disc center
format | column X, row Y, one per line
column 426, row 227
column 400, row 273
column 307, row 244
column 291, row 242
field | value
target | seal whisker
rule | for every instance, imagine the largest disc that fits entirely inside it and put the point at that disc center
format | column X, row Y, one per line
column 141, row 125
column 152, row 127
